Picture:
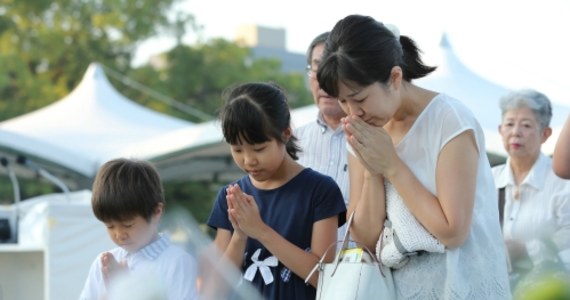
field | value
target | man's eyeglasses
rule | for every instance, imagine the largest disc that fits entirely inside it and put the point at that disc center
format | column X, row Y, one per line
column 312, row 73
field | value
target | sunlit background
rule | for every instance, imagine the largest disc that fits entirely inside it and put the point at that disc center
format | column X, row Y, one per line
column 515, row 43
column 85, row 81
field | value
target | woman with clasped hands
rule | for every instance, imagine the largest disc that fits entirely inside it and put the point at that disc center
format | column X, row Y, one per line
column 426, row 146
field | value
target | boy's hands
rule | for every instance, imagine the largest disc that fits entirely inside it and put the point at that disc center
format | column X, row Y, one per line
column 111, row 267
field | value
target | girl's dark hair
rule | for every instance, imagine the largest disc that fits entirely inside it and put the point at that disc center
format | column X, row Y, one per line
column 255, row 113
column 362, row 51
column 125, row 188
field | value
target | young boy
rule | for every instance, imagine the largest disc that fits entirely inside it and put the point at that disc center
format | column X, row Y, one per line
column 128, row 198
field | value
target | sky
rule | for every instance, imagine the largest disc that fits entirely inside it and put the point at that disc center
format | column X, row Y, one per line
column 517, row 44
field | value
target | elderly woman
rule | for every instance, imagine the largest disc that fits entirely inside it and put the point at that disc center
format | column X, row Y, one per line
column 535, row 202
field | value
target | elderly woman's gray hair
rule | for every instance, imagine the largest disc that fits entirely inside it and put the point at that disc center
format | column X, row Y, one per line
column 534, row 100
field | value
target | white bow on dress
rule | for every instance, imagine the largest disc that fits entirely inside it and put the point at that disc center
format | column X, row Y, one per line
column 262, row 266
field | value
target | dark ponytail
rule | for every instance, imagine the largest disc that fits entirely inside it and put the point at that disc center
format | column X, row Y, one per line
column 414, row 67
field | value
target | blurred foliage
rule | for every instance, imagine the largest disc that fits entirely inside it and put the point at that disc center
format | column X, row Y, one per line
column 545, row 286
column 29, row 187
column 46, row 47
column 197, row 75
column 196, row 197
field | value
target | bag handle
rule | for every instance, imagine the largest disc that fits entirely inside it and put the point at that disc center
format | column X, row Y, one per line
column 346, row 233
column 344, row 246
column 501, row 205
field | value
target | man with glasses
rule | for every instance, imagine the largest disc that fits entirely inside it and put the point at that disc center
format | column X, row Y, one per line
column 322, row 142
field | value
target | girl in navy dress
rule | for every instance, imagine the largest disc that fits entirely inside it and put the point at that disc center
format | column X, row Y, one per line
column 278, row 220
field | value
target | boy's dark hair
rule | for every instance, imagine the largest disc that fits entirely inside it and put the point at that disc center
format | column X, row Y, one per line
column 126, row 188
column 255, row 113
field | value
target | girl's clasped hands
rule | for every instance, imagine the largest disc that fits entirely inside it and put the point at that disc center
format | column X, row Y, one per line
column 243, row 213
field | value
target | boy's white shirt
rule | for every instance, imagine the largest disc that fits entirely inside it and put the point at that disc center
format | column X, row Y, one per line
column 172, row 269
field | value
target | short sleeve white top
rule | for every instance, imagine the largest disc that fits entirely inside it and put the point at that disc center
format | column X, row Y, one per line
column 174, row 269
column 478, row 268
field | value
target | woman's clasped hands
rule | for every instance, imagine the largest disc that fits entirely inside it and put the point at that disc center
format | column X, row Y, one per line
column 372, row 145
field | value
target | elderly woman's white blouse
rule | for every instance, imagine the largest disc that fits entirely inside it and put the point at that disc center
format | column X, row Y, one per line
column 541, row 212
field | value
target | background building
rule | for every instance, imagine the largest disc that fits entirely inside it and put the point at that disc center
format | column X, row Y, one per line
column 267, row 42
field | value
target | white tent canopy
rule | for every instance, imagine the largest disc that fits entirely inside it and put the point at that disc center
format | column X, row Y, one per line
column 200, row 152
column 95, row 123
column 481, row 96
column 86, row 128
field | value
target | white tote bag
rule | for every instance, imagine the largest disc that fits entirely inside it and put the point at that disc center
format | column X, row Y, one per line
column 355, row 273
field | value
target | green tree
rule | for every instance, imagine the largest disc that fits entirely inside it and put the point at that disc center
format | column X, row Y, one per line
column 46, row 46
column 197, row 75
